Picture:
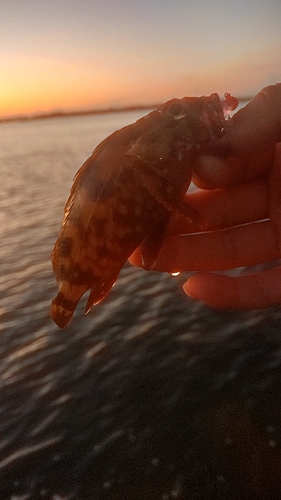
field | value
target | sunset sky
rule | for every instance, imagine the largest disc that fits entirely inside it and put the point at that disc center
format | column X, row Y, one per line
column 76, row 54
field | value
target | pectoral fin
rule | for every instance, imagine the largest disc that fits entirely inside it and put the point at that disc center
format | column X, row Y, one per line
column 151, row 247
column 179, row 207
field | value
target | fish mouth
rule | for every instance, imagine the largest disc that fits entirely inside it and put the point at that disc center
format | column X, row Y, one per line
column 216, row 116
column 219, row 110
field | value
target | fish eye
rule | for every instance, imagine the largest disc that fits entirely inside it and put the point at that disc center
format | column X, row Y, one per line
column 176, row 109
column 173, row 109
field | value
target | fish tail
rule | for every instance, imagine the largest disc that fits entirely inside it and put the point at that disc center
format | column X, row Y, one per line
column 64, row 304
column 99, row 292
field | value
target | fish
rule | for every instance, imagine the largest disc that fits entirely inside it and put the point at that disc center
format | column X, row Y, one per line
column 123, row 195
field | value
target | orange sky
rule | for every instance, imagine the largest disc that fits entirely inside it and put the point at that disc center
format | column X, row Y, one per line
column 66, row 54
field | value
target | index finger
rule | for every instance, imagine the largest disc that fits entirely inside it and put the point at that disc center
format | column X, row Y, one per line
column 246, row 151
column 257, row 126
column 221, row 208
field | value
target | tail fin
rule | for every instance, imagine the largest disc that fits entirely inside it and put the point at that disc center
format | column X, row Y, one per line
column 64, row 304
column 98, row 293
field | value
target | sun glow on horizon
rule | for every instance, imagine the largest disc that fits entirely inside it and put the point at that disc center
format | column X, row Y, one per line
column 36, row 85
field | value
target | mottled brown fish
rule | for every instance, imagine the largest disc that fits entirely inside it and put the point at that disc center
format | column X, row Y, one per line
column 123, row 194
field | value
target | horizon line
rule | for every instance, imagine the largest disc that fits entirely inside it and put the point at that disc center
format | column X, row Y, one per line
column 90, row 111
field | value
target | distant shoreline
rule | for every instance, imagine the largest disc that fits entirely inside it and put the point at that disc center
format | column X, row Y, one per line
column 67, row 114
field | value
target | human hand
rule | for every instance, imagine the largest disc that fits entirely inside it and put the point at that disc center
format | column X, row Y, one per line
column 241, row 205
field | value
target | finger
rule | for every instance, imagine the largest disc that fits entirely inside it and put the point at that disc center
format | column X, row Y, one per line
column 211, row 172
column 246, row 150
column 253, row 291
column 244, row 245
column 275, row 194
column 219, row 209
column 257, row 125
column 224, row 208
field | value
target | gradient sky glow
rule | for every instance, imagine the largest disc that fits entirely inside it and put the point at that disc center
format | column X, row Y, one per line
column 76, row 54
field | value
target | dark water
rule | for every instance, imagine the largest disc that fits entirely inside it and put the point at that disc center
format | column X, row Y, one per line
column 150, row 397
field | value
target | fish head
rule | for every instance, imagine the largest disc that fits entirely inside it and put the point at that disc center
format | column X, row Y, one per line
column 178, row 131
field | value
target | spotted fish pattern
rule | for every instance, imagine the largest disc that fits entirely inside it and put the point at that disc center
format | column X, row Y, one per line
column 123, row 195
